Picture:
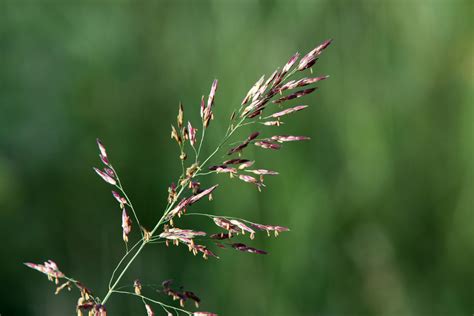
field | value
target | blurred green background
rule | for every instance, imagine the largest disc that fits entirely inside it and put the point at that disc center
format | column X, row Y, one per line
column 380, row 202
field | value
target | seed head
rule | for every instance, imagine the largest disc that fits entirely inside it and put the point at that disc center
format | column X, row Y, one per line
column 126, row 225
column 221, row 236
column 106, row 177
column 122, row 201
column 253, row 90
column 289, row 111
column 309, row 59
column 266, row 144
column 192, row 134
column 137, row 285
column 210, row 100
column 245, row 248
column 264, row 172
column 193, row 199
column 180, row 117
column 288, row 138
column 102, row 152
column 244, row 228
column 149, row 311
column 289, row 64
column 175, row 135
column 49, row 268
column 273, row 123
column 295, row 95
column 63, row 286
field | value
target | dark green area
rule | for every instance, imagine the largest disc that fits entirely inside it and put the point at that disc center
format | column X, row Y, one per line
column 380, row 202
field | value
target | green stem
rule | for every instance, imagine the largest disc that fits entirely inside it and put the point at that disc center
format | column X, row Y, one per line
column 120, row 262
column 200, row 143
column 154, row 301
column 142, row 245
column 129, row 202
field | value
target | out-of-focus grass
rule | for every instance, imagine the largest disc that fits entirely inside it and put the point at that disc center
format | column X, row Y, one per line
column 379, row 202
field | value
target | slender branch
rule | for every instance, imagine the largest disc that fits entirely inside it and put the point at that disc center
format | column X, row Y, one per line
column 200, row 142
column 121, row 260
column 142, row 245
column 129, row 202
column 154, row 301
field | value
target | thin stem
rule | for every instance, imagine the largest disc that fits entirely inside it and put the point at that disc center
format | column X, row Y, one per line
column 226, row 217
column 111, row 290
column 200, row 142
column 142, row 245
column 129, row 202
column 154, row 301
column 121, row 260
column 226, row 137
column 204, row 173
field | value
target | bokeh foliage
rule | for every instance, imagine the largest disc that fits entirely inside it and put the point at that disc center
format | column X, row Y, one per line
column 380, row 202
